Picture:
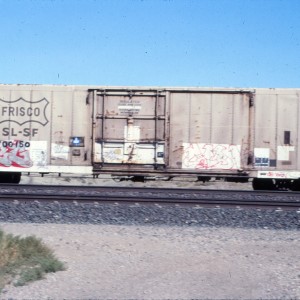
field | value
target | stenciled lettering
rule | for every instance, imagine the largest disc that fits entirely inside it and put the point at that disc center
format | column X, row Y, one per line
column 6, row 131
column 15, row 144
column 9, row 111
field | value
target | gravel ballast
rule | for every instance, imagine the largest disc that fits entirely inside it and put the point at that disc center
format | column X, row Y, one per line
column 136, row 214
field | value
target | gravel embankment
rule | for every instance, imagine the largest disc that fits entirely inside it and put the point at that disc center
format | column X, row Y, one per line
column 171, row 215
column 165, row 262
column 160, row 252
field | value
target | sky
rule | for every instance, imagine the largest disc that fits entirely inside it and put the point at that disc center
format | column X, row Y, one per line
column 185, row 43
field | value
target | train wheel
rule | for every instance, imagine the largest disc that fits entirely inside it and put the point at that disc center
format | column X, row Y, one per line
column 10, row 177
column 137, row 178
column 15, row 177
column 263, row 184
column 295, row 186
column 203, row 178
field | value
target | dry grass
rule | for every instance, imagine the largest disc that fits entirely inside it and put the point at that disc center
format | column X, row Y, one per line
column 24, row 259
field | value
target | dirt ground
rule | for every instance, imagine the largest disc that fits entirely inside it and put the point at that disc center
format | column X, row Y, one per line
column 161, row 262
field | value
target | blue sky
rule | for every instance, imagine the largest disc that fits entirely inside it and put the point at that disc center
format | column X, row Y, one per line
column 209, row 43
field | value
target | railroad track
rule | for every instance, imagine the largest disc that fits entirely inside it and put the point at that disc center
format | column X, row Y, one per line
column 233, row 198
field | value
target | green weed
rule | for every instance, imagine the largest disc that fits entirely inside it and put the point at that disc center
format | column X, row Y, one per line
column 25, row 259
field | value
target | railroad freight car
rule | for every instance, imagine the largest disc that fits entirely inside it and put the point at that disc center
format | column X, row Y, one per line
column 151, row 132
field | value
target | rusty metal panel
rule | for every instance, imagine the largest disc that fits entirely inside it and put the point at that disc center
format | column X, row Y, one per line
column 129, row 127
column 142, row 104
column 179, row 127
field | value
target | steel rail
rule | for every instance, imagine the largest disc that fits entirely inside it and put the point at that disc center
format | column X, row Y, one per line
column 125, row 199
column 150, row 195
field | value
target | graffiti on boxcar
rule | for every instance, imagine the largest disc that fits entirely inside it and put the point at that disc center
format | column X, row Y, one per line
column 59, row 151
column 15, row 154
column 211, row 156
column 113, row 155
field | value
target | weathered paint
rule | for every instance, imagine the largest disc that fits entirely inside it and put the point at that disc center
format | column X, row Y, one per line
column 59, row 152
column 129, row 153
column 129, row 127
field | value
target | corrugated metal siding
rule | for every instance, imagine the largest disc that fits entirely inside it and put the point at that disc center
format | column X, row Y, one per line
column 215, row 126
column 46, row 118
column 277, row 129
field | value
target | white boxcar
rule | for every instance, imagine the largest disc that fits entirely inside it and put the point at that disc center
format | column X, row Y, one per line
column 151, row 131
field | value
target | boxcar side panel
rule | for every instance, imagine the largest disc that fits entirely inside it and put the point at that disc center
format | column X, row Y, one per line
column 71, row 129
column 40, row 129
column 200, row 119
column 286, row 144
column 61, row 122
column 179, row 130
column 209, row 131
column 276, row 132
column 25, row 128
